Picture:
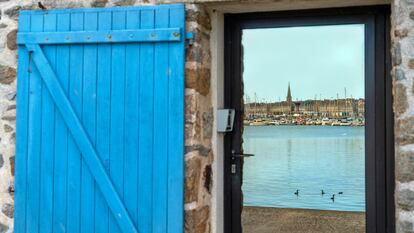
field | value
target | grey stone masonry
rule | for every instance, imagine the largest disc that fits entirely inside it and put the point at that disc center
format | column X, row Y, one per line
column 199, row 115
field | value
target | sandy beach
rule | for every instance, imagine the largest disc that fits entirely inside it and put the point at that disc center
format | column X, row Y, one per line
column 278, row 220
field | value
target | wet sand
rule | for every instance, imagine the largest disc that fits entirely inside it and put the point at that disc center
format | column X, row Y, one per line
column 278, row 220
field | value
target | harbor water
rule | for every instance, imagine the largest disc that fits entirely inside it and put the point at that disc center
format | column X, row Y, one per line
column 308, row 159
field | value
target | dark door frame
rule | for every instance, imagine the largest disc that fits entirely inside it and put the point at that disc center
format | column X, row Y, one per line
column 379, row 146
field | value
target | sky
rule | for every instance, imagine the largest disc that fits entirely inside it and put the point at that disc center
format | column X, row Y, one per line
column 317, row 61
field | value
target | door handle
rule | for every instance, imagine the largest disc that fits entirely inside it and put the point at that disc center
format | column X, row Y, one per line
column 238, row 155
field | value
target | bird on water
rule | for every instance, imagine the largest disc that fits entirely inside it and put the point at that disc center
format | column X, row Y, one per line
column 322, row 192
column 297, row 192
column 333, row 198
column 341, row 193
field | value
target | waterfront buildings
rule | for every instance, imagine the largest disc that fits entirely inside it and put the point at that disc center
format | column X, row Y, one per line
column 316, row 109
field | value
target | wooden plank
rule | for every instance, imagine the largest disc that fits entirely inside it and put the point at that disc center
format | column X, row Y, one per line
column 92, row 36
column 161, row 70
column 47, row 147
column 79, row 134
column 89, row 120
column 61, row 135
column 146, row 128
column 34, row 139
column 117, row 113
column 22, row 132
column 103, row 118
column 104, row 10
column 74, row 157
column 176, row 129
column 131, row 120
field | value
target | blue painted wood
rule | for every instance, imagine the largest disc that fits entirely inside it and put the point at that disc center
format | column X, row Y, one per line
column 89, row 121
column 132, row 94
column 61, row 135
column 160, row 128
column 146, row 121
column 175, row 126
column 113, row 9
column 20, row 198
column 91, row 36
column 47, row 149
column 34, row 139
column 75, row 97
column 103, row 106
column 117, row 113
column 80, row 137
column 113, row 144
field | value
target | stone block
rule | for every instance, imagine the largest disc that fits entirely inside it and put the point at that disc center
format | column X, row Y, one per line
column 396, row 54
column 208, row 119
column 196, row 221
column 7, row 74
column 400, row 99
column 404, row 227
column 9, row 115
column 13, row 11
column 198, row 79
column 1, row 160
column 404, row 131
column 192, row 179
column 7, row 128
column 8, row 210
column 99, row 3
column 202, row 150
column 123, row 2
column 3, row 228
column 11, row 40
column 200, row 16
column 399, row 74
column 405, row 199
column 404, row 169
column 12, row 163
column 401, row 33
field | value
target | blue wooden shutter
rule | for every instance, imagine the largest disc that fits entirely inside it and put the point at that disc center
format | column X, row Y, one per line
column 100, row 120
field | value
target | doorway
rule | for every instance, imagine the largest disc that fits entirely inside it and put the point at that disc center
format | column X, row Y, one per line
column 378, row 163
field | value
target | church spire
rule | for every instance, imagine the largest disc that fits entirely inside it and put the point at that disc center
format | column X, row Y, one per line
column 289, row 95
column 289, row 100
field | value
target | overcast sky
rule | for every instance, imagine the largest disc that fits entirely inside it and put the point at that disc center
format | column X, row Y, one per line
column 321, row 60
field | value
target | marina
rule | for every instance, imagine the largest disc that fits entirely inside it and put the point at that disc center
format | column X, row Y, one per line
column 303, row 120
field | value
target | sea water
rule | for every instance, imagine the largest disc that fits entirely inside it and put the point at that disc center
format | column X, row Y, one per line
column 308, row 158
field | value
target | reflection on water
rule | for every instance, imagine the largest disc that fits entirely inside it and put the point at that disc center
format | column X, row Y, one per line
column 308, row 158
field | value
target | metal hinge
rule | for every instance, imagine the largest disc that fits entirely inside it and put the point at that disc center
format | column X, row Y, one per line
column 189, row 36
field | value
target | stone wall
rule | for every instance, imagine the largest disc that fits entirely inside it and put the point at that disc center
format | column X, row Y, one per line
column 198, row 123
column 199, row 110
column 403, row 76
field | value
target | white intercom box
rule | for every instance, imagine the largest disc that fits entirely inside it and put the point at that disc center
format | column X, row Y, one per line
column 225, row 120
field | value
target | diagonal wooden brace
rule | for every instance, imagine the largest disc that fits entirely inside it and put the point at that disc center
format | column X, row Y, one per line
column 82, row 140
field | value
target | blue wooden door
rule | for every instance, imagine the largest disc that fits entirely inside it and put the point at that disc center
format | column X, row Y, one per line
column 100, row 120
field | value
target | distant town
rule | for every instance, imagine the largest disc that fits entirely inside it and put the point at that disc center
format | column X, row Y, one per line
column 331, row 112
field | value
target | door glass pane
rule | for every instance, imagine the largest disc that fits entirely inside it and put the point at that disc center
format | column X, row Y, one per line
column 304, row 121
